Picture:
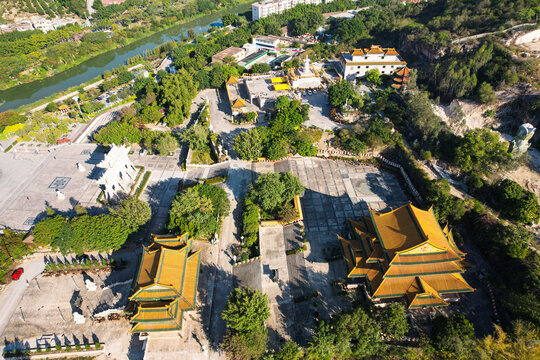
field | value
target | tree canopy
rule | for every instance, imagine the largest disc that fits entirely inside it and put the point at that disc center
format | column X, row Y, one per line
column 198, row 210
column 93, row 233
column 273, row 190
column 481, row 151
column 245, row 312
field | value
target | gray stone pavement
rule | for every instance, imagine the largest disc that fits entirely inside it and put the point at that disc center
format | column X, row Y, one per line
column 319, row 112
column 219, row 115
column 335, row 191
column 239, row 177
column 278, row 289
column 27, row 183
column 47, row 307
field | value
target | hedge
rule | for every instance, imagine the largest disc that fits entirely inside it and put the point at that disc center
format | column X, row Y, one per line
column 143, row 184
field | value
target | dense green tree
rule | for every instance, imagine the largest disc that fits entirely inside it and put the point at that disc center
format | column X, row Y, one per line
column 282, row 102
column 221, row 73
column 198, row 210
column 357, row 335
column 230, row 19
column 271, row 191
column 176, row 92
column 423, row 120
column 516, row 203
column 134, row 212
column 289, row 351
column 392, row 320
column 248, row 145
column 51, row 107
column 260, row 68
column 339, row 93
column 48, row 229
column 196, row 137
column 453, row 334
column 485, row 94
column 373, row 76
column 481, row 151
column 246, row 310
column 166, row 143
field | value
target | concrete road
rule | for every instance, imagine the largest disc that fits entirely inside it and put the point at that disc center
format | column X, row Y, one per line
column 85, row 136
column 219, row 113
column 13, row 293
column 239, row 177
column 319, row 112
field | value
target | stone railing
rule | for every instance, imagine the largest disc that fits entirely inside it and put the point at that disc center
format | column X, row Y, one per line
column 396, row 166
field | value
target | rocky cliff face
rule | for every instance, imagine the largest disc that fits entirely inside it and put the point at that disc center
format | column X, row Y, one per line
column 419, row 50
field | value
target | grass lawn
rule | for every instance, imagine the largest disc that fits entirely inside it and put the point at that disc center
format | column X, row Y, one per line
column 203, row 157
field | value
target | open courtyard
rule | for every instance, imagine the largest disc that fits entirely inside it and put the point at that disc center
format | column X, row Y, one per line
column 335, row 191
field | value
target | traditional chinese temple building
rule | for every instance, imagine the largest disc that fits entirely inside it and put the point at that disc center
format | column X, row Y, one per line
column 165, row 285
column 406, row 254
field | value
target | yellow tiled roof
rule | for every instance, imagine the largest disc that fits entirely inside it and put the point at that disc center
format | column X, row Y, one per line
column 166, row 284
column 405, row 253
column 232, row 80
column 375, row 49
column 239, row 102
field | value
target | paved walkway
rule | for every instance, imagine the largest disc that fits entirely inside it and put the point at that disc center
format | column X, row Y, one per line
column 13, row 293
column 280, row 299
column 239, row 176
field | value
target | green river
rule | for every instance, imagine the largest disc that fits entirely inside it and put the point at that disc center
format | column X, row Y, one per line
column 24, row 94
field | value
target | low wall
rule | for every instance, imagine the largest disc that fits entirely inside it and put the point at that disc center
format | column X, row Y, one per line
column 297, row 207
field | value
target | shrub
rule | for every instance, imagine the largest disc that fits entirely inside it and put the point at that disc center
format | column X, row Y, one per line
column 215, row 180
column 51, row 107
column 145, row 179
column 425, row 155
column 97, row 345
column 489, row 113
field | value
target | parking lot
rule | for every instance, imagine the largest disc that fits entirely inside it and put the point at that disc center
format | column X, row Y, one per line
column 49, row 302
column 335, row 191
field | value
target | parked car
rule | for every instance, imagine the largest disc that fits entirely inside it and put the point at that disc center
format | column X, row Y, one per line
column 304, row 93
column 314, row 91
column 309, row 92
column 17, row 274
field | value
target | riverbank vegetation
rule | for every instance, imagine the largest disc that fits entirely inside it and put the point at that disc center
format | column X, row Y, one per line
column 32, row 55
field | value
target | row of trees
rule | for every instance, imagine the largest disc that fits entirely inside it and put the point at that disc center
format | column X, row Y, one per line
column 84, row 232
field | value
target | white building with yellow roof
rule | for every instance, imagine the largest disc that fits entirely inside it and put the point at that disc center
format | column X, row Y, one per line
column 405, row 254
column 359, row 61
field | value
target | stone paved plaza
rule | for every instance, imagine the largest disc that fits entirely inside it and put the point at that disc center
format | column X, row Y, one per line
column 335, row 191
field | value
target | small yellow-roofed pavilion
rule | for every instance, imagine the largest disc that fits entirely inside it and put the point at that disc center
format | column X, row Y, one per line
column 405, row 253
column 165, row 285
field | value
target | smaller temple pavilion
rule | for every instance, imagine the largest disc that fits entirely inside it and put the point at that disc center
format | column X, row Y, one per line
column 401, row 78
column 237, row 103
column 165, row 285
column 406, row 254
